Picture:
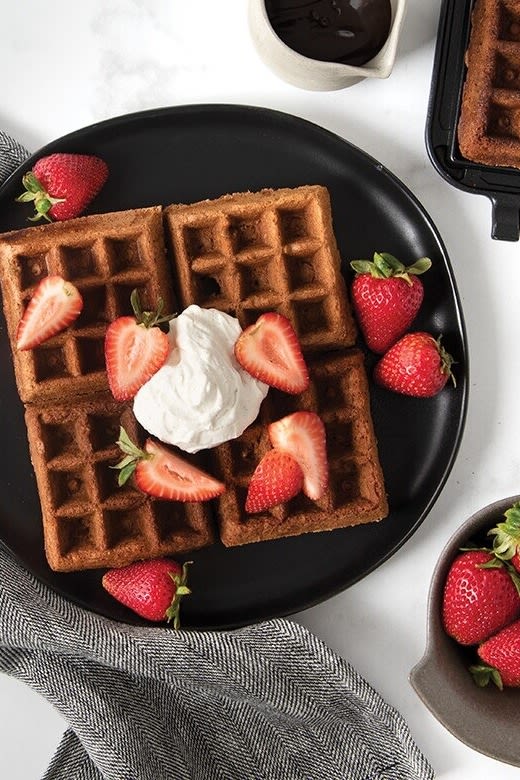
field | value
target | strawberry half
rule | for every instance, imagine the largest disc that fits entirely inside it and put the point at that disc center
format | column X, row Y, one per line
column 62, row 185
column 135, row 349
column 277, row 478
column 161, row 473
column 151, row 589
column 302, row 435
column 269, row 350
column 55, row 304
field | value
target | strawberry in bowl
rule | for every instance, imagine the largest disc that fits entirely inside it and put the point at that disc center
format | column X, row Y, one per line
column 474, row 599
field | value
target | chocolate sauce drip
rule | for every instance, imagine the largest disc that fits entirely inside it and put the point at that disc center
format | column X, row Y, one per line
column 347, row 31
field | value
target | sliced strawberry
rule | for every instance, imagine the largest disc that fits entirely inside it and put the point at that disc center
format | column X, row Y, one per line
column 161, row 473
column 302, row 435
column 55, row 304
column 269, row 351
column 134, row 350
column 277, row 478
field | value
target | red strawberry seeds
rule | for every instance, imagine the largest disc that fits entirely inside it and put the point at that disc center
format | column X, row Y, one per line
column 61, row 186
column 151, row 589
column 478, row 601
column 135, row 349
column 276, row 479
column 302, row 435
column 386, row 297
column 416, row 365
column 501, row 656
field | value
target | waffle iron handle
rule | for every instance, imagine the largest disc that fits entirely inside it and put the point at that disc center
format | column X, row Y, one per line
column 505, row 217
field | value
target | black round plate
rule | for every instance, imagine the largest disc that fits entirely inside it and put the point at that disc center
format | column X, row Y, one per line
column 188, row 153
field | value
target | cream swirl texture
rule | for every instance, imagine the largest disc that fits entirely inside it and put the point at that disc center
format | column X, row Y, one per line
column 201, row 396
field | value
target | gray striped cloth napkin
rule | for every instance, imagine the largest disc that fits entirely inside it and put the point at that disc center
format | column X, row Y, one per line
column 268, row 702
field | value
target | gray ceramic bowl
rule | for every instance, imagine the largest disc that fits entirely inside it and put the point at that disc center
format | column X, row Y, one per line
column 486, row 719
column 312, row 74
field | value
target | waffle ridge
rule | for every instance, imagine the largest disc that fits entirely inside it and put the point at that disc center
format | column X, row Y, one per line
column 338, row 392
column 244, row 254
column 89, row 521
column 105, row 256
column 488, row 130
column 249, row 253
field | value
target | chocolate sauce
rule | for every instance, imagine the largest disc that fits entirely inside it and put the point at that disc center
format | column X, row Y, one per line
column 347, row 31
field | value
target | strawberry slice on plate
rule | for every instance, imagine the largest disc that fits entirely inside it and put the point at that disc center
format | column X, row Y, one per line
column 302, row 435
column 55, row 304
column 269, row 350
column 277, row 478
column 135, row 349
column 161, row 473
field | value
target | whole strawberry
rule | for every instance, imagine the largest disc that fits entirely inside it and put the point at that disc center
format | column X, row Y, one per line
column 416, row 365
column 506, row 541
column 386, row 296
column 152, row 589
column 62, row 185
column 480, row 597
column 501, row 656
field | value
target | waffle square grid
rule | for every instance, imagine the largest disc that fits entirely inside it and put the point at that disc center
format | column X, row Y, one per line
column 489, row 126
column 249, row 253
column 106, row 256
column 339, row 394
column 244, row 254
column 89, row 521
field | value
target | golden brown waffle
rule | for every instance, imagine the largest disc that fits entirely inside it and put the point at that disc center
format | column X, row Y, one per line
column 488, row 128
column 88, row 521
column 274, row 250
column 243, row 254
column 339, row 394
column 105, row 256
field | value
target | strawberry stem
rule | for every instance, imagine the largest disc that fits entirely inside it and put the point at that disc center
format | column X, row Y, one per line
column 133, row 455
column 483, row 674
column 149, row 319
column 446, row 361
column 36, row 193
column 507, row 534
column 181, row 589
column 384, row 266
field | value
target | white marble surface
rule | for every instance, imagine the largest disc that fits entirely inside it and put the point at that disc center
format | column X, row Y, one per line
column 66, row 64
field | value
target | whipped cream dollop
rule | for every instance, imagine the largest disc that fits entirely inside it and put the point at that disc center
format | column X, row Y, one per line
column 201, row 396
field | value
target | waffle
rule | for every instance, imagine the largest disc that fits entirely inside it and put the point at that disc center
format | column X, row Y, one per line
column 88, row 521
column 105, row 256
column 489, row 125
column 339, row 394
column 249, row 253
column 244, row 254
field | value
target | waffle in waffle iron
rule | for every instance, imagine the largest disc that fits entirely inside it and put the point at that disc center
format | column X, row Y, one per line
column 243, row 254
column 488, row 129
